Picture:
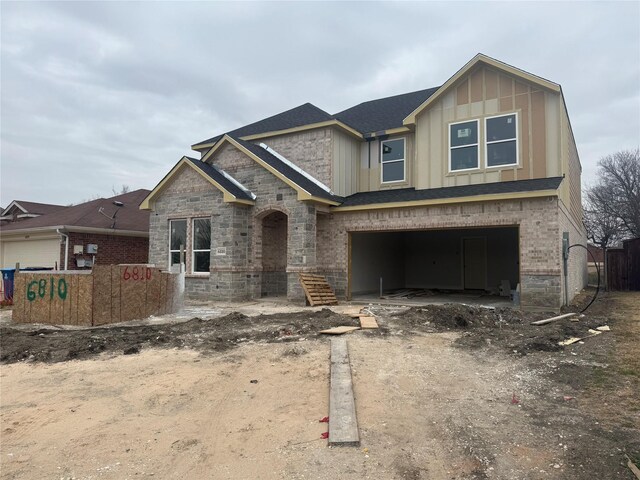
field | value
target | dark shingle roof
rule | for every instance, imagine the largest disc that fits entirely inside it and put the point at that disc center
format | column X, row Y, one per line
column 291, row 173
column 411, row 194
column 37, row 208
column 368, row 117
column 303, row 115
column 216, row 174
column 128, row 217
column 384, row 113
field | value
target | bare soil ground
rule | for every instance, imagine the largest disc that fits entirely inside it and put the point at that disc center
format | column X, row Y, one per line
column 442, row 392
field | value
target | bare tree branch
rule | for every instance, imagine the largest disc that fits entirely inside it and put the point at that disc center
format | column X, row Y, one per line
column 612, row 205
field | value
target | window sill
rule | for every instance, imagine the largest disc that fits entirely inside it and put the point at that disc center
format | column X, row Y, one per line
column 197, row 275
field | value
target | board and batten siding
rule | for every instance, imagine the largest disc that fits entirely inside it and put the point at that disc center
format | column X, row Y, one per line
column 484, row 93
column 346, row 155
column 369, row 175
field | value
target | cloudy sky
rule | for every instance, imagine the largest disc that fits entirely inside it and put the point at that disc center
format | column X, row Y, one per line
column 97, row 95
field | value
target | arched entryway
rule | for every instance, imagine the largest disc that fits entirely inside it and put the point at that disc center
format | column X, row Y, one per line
column 274, row 254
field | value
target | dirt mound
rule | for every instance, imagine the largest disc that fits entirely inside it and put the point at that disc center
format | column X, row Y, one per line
column 457, row 316
column 212, row 335
column 504, row 328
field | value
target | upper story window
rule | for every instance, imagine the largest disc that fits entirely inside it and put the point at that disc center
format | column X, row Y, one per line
column 502, row 142
column 178, row 238
column 393, row 160
column 463, row 146
column 201, row 249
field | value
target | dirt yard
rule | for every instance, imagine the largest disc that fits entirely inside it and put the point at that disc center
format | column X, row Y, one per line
column 442, row 392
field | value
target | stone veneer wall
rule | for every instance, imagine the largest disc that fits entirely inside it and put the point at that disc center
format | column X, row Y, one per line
column 537, row 219
column 272, row 194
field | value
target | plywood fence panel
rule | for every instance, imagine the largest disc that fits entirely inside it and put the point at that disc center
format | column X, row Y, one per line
column 71, row 306
column 84, row 306
column 58, row 296
column 116, row 294
column 152, row 303
column 18, row 299
column 101, row 294
column 110, row 294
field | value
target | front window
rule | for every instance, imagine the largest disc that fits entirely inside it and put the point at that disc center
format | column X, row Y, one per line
column 463, row 146
column 502, row 143
column 392, row 160
column 178, row 238
column 201, row 245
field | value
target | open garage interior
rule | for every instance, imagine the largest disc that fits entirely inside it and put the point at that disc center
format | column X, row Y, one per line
column 477, row 260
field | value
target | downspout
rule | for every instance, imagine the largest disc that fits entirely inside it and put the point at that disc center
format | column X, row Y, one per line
column 66, row 248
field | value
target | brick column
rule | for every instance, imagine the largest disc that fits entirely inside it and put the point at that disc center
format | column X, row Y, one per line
column 301, row 251
column 229, row 250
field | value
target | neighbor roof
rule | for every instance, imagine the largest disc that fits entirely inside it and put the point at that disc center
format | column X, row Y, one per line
column 33, row 207
column 127, row 217
column 412, row 195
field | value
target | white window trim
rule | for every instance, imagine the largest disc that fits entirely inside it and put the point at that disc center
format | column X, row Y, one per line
column 487, row 143
column 477, row 144
column 187, row 236
column 403, row 160
column 193, row 250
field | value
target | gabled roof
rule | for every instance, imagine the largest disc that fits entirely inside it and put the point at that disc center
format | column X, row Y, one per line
column 303, row 115
column 127, row 217
column 384, row 113
column 296, row 175
column 534, row 187
column 233, row 191
column 224, row 179
column 32, row 207
column 306, row 185
column 375, row 117
column 481, row 59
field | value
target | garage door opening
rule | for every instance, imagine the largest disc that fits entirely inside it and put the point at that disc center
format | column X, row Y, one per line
column 479, row 261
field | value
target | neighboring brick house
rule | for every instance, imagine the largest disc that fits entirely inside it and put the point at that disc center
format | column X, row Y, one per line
column 103, row 231
column 458, row 187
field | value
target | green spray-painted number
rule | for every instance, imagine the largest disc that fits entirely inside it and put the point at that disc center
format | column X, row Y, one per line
column 60, row 289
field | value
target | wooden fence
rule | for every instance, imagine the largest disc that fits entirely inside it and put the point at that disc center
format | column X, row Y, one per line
column 108, row 294
column 623, row 266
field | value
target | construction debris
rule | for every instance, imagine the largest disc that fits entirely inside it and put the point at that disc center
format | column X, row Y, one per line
column 368, row 322
column 633, row 467
column 339, row 330
column 408, row 293
column 553, row 319
column 317, row 290
column 572, row 340
column 604, row 328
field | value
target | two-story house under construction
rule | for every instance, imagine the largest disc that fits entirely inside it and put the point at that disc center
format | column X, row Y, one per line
column 458, row 187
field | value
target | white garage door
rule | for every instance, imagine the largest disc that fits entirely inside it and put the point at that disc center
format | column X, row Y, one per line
column 31, row 253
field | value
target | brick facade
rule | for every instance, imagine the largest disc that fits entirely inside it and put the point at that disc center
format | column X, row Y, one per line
column 537, row 219
column 259, row 250
column 112, row 249
column 236, row 272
